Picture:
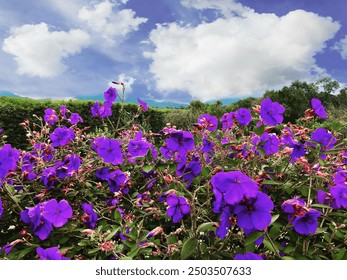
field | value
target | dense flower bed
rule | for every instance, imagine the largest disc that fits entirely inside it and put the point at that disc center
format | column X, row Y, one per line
column 246, row 186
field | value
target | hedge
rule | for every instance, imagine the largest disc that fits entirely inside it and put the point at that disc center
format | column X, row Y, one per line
column 14, row 110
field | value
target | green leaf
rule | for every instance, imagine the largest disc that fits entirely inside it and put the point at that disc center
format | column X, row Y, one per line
column 206, row 226
column 126, row 258
column 134, row 252
column 131, row 245
column 253, row 237
column 25, row 251
column 270, row 182
column 63, row 240
column 274, row 218
column 259, row 130
column 289, row 250
column 321, row 206
column 111, row 234
column 268, row 245
column 117, row 216
column 340, row 255
column 205, row 172
column 92, row 251
column 189, row 247
column 148, row 168
column 83, row 243
column 10, row 189
column 172, row 239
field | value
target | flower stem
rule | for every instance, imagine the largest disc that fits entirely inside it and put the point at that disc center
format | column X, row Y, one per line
column 273, row 245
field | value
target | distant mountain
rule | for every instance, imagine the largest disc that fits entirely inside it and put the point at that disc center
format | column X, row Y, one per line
column 158, row 104
column 151, row 103
column 7, row 93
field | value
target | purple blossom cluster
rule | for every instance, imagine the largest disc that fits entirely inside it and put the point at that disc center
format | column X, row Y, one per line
column 303, row 218
column 236, row 193
column 134, row 177
column 44, row 215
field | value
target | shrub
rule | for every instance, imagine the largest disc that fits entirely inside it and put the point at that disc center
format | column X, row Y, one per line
column 123, row 192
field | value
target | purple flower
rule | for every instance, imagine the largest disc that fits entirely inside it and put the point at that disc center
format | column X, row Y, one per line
column 68, row 167
column 8, row 160
column 109, row 150
column 138, row 148
column 325, row 138
column 143, row 105
column 340, row 177
column 248, row 256
column 75, row 118
column 1, row 209
column 188, row 171
column 40, row 226
column 50, row 116
column 102, row 173
column 271, row 112
column 206, row 146
column 50, row 254
column 304, row 219
column 57, row 213
column 62, row 111
column 61, row 136
column 102, row 111
column 224, row 223
column 116, row 180
column 232, row 187
column 298, row 150
column 307, row 223
column 327, row 199
column 344, row 156
column 318, row 108
column 227, row 120
column 290, row 205
column 6, row 249
column 48, row 176
column 243, row 115
column 270, row 143
column 111, row 94
column 178, row 207
column 46, row 152
column 89, row 216
column 339, row 193
column 95, row 109
column 209, row 122
column 154, row 232
column 181, row 141
column 254, row 213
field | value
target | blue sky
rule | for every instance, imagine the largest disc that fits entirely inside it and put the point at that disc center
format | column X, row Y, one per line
column 172, row 50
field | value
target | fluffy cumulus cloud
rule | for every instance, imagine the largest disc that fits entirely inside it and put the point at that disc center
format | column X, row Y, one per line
column 106, row 19
column 341, row 46
column 41, row 52
column 238, row 54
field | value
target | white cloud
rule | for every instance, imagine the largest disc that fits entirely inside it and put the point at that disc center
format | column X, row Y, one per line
column 226, row 7
column 128, row 81
column 40, row 52
column 341, row 47
column 104, row 18
column 238, row 55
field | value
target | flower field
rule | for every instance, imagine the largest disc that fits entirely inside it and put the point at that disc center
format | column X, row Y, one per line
column 245, row 186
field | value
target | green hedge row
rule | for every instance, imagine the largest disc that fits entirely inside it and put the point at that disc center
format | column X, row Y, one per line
column 14, row 111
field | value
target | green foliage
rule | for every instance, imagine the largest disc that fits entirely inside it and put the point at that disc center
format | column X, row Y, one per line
column 14, row 111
